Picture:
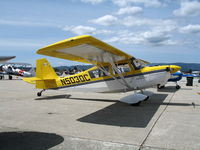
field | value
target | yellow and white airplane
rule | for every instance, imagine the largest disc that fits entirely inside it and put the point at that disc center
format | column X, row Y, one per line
column 113, row 71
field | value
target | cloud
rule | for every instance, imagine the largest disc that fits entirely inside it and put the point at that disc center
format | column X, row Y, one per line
column 20, row 43
column 156, row 38
column 25, row 23
column 188, row 8
column 129, row 10
column 81, row 30
column 92, row 1
column 152, row 38
column 146, row 3
column 190, row 29
column 160, row 24
column 105, row 20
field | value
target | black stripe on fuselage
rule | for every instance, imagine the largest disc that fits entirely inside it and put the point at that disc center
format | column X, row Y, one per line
column 103, row 80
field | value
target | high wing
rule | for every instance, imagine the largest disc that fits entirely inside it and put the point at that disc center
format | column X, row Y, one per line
column 86, row 49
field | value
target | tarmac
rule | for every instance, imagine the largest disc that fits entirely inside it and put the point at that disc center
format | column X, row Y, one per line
column 64, row 120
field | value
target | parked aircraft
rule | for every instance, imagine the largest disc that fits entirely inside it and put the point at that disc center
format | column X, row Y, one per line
column 11, row 69
column 113, row 71
column 177, row 76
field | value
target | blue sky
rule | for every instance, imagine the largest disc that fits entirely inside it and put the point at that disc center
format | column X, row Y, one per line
column 153, row 30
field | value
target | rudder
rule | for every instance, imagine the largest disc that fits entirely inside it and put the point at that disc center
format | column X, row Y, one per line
column 44, row 70
column 46, row 74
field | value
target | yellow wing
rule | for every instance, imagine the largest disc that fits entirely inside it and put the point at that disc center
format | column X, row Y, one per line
column 86, row 49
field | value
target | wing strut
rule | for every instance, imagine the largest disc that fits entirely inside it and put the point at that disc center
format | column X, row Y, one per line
column 119, row 73
column 124, row 83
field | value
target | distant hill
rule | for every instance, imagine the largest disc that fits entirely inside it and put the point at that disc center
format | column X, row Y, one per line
column 79, row 67
column 185, row 66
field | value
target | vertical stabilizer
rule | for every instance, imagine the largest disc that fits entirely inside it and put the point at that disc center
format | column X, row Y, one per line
column 44, row 70
column 46, row 75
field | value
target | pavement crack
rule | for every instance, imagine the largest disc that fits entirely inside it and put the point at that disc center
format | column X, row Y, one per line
column 143, row 142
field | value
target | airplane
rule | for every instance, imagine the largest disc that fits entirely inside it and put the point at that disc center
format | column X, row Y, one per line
column 177, row 76
column 114, row 70
column 11, row 69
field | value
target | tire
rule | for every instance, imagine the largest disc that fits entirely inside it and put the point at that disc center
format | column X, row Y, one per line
column 39, row 94
column 10, row 77
column 178, row 87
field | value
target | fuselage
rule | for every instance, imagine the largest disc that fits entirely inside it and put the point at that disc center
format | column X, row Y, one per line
column 93, row 80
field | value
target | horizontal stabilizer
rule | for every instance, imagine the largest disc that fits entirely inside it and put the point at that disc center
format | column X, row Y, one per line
column 31, row 80
column 45, row 75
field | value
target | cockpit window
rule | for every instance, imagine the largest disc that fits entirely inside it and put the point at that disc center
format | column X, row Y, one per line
column 98, row 72
column 137, row 64
column 122, row 68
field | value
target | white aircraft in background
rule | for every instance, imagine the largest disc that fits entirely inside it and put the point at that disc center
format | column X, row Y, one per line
column 11, row 69
column 113, row 71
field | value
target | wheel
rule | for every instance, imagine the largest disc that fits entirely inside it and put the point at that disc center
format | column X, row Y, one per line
column 10, row 77
column 1, row 77
column 39, row 94
column 136, row 104
column 178, row 87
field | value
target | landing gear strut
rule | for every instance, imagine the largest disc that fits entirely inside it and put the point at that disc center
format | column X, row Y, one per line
column 160, row 86
column 40, row 93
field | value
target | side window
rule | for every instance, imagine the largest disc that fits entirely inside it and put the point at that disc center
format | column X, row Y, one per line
column 122, row 68
column 137, row 64
column 98, row 73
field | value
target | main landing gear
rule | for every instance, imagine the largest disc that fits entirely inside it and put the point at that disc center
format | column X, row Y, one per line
column 40, row 93
column 160, row 86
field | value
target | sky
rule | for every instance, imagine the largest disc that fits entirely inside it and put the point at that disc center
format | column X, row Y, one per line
column 159, row 31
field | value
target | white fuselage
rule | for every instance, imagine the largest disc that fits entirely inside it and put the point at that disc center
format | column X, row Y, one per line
column 10, row 70
column 136, row 82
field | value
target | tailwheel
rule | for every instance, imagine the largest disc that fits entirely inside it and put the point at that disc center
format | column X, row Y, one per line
column 40, row 93
column 136, row 104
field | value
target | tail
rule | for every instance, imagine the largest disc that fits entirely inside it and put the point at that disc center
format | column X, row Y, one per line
column 45, row 75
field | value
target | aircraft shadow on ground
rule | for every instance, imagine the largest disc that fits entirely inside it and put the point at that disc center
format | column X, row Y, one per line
column 63, row 96
column 96, row 100
column 29, row 140
column 120, row 114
